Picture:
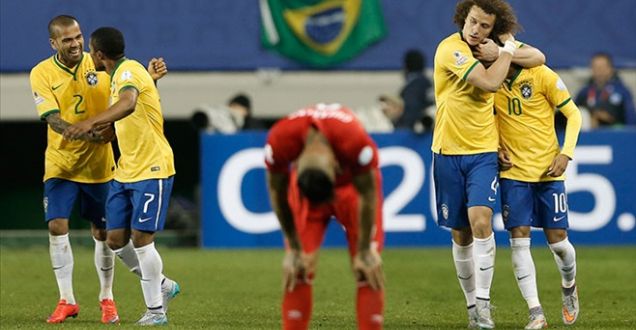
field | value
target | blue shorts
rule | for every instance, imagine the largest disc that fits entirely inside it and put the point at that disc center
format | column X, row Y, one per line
column 536, row 204
column 60, row 196
column 463, row 181
column 141, row 205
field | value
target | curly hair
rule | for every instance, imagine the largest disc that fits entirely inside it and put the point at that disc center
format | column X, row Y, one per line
column 505, row 18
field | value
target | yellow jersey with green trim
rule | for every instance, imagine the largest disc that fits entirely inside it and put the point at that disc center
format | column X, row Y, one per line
column 77, row 94
column 145, row 151
column 464, row 122
column 525, row 107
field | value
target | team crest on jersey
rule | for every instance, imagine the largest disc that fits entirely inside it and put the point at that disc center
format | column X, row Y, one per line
column 91, row 78
column 526, row 90
column 505, row 212
column 445, row 211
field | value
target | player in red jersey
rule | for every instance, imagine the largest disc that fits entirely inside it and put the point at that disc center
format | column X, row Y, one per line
column 322, row 163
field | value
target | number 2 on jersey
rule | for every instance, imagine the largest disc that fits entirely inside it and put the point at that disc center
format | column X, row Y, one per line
column 80, row 99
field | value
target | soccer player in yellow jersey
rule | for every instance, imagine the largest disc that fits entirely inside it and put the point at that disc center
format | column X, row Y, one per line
column 66, row 89
column 138, row 198
column 532, row 181
column 465, row 141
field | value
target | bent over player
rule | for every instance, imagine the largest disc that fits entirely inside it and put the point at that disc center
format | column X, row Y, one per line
column 321, row 163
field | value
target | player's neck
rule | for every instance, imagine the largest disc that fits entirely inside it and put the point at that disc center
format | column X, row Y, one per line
column 65, row 62
column 112, row 65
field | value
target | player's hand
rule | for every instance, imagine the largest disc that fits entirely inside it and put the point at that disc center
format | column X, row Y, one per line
column 504, row 160
column 77, row 131
column 294, row 268
column 487, row 51
column 104, row 133
column 558, row 166
column 157, row 68
column 367, row 266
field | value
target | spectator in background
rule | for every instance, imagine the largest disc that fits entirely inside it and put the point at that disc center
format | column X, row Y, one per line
column 393, row 108
column 415, row 93
column 605, row 96
column 241, row 110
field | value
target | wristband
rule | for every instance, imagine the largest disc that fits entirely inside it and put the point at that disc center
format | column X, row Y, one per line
column 509, row 47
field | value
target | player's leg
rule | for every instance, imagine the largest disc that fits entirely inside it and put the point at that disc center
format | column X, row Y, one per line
column 481, row 189
column 554, row 206
column 92, row 207
column 150, row 200
column 119, row 212
column 369, row 302
column 59, row 198
column 450, row 199
column 517, row 199
column 311, row 224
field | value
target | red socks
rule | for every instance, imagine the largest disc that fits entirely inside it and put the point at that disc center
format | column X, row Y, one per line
column 297, row 307
column 370, row 307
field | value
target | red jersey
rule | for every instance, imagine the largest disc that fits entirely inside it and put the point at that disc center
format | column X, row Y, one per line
column 353, row 147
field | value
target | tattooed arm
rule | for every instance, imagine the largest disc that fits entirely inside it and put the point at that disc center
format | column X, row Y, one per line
column 58, row 125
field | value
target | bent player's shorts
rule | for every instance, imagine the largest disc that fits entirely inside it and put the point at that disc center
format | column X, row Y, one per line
column 311, row 220
column 536, row 204
column 463, row 181
column 60, row 196
column 141, row 205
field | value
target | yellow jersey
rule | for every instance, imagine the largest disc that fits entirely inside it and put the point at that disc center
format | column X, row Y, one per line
column 525, row 107
column 464, row 122
column 77, row 94
column 145, row 151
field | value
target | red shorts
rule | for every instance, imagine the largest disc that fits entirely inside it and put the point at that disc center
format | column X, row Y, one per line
column 311, row 220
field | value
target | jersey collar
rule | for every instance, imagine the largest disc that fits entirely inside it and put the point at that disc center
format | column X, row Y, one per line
column 72, row 72
column 514, row 77
column 119, row 62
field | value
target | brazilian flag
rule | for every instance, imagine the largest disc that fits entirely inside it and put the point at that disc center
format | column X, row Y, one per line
column 321, row 33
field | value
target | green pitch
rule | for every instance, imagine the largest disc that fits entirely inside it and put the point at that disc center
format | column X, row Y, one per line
column 241, row 290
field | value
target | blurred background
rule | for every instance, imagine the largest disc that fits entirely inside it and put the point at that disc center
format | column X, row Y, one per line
column 237, row 66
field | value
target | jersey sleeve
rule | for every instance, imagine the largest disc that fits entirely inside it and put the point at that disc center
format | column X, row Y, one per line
column 555, row 90
column 276, row 154
column 362, row 152
column 43, row 97
column 130, row 76
column 455, row 56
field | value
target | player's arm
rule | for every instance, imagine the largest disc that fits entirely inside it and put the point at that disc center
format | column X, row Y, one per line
column 293, row 265
column 490, row 79
column 121, row 109
column 367, row 262
column 572, row 129
column 59, row 125
column 525, row 55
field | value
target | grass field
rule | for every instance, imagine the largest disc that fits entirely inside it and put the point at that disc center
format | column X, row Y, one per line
column 240, row 289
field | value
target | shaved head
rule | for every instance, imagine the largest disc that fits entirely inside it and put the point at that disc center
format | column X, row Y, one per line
column 60, row 21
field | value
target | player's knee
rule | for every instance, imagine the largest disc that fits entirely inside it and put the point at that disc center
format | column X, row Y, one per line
column 98, row 233
column 58, row 227
column 115, row 243
column 520, row 232
column 555, row 235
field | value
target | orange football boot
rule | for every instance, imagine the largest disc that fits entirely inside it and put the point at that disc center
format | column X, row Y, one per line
column 109, row 311
column 62, row 311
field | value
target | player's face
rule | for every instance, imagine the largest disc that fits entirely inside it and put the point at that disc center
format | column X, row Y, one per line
column 69, row 44
column 97, row 60
column 477, row 26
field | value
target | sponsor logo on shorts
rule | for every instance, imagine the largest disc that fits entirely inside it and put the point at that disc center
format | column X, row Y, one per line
column 557, row 219
column 142, row 220
column 505, row 212
column 45, row 203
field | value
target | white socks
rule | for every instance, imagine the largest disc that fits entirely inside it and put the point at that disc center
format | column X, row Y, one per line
column 62, row 262
column 565, row 257
column 104, row 264
column 524, row 270
column 465, row 268
column 484, row 258
column 128, row 256
column 151, row 267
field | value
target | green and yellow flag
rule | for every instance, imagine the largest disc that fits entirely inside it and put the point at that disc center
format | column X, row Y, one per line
column 321, row 33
